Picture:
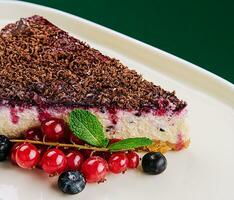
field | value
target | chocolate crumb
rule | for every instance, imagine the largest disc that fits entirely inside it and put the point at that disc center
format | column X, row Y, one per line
column 109, row 128
column 41, row 64
column 138, row 114
column 102, row 109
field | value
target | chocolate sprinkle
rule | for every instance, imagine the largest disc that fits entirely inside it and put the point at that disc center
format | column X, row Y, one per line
column 41, row 64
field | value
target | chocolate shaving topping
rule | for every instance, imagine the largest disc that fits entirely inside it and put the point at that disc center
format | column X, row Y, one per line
column 41, row 64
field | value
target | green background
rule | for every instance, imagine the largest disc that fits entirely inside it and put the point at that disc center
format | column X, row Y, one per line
column 201, row 32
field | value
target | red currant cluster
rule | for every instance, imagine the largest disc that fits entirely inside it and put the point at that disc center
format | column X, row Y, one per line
column 56, row 160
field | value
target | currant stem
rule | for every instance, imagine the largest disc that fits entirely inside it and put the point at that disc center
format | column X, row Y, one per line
column 60, row 144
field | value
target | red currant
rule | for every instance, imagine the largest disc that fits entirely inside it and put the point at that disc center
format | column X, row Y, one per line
column 53, row 129
column 33, row 134
column 27, row 156
column 54, row 161
column 86, row 152
column 74, row 139
column 103, row 154
column 114, row 140
column 95, row 169
column 74, row 160
column 118, row 163
column 65, row 150
column 13, row 153
column 41, row 149
column 133, row 159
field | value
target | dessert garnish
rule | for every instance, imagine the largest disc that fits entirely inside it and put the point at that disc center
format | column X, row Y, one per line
column 41, row 148
column 71, row 182
column 5, row 146
column 95, row 169
column 118, row 163
column 154, row 163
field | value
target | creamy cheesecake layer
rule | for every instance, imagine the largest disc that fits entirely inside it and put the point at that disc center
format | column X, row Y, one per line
column 163, row 128
column 121, row 124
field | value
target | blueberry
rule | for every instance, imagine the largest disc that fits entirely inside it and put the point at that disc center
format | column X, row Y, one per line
column 5, row 146
column 71, row 182
column 154, row 163
column 3, row 156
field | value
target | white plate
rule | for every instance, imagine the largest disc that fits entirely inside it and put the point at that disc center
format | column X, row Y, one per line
column 204, row 171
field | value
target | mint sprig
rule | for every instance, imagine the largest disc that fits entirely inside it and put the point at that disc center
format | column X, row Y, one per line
column 129, row 144
column 87, row 127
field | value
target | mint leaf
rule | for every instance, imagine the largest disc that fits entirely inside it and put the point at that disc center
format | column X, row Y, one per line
column 86, row 126
column 130, row 143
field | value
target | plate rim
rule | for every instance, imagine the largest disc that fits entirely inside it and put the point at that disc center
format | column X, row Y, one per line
column 220, row 83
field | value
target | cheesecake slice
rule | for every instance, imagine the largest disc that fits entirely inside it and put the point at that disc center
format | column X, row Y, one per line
column 45, row 72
